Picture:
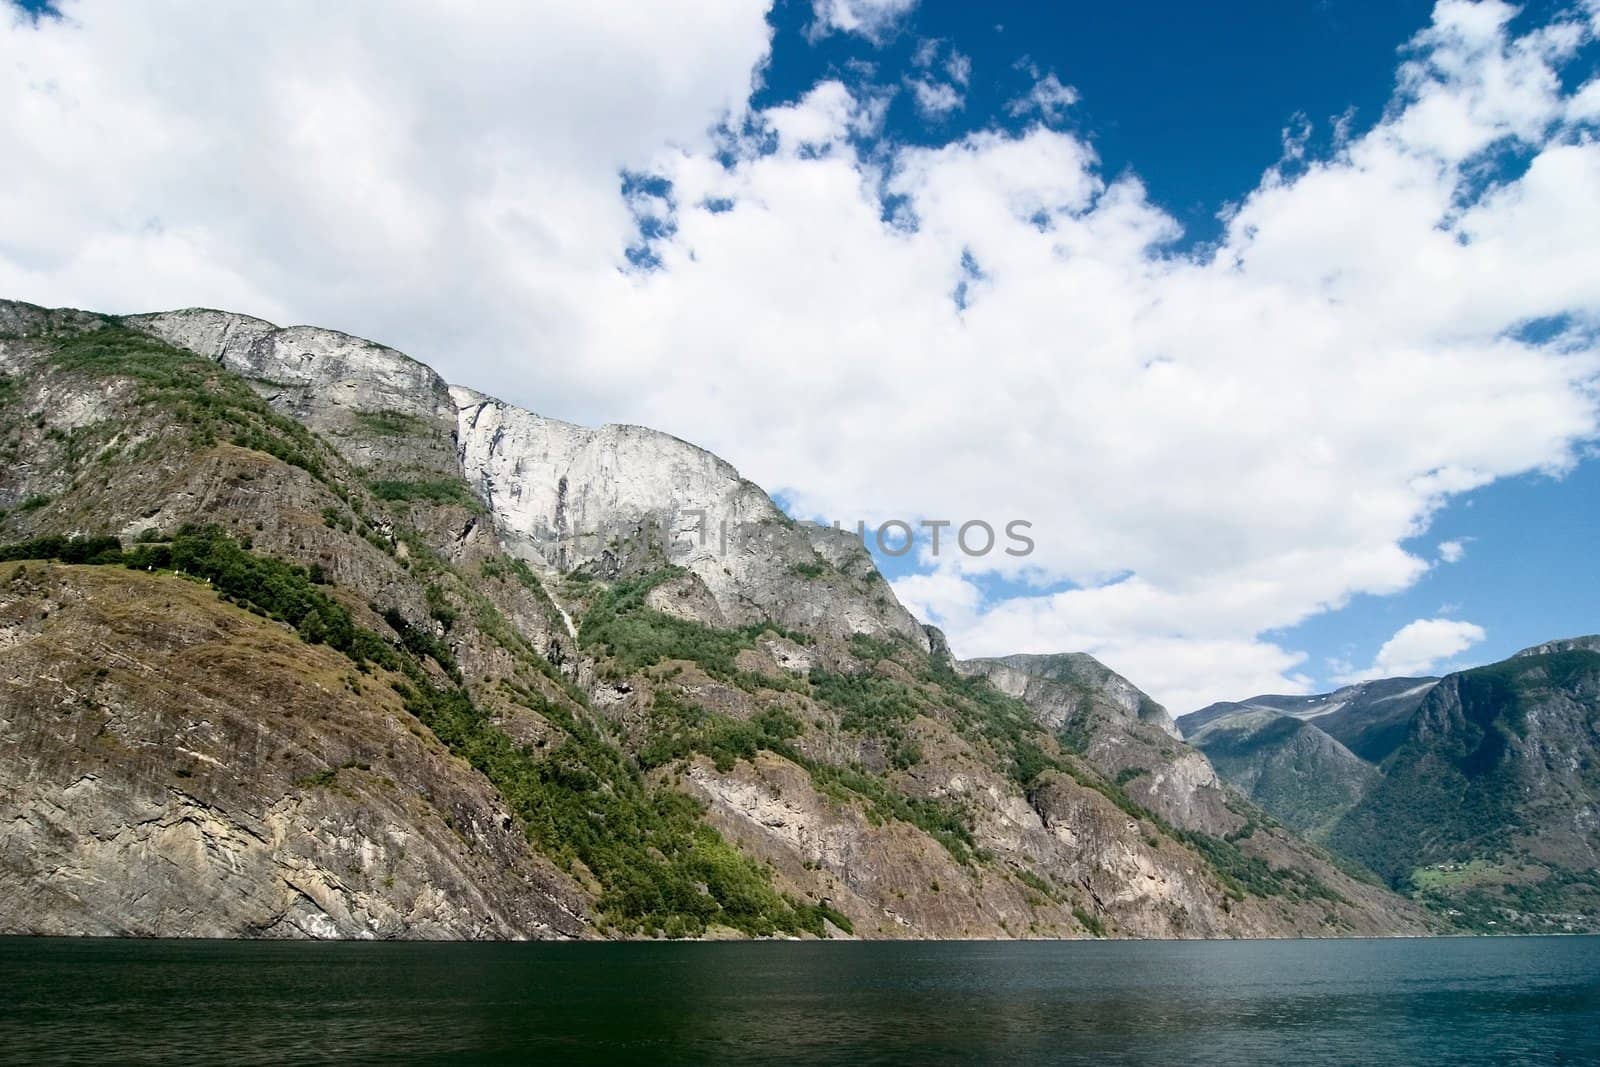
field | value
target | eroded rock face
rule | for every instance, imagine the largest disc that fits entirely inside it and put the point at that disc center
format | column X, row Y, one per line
column 340, row 370
column 174, row 766
column 1121, row 730
column 1059, row 686
column 568, row 496
column 559, row 495
column 382, row 410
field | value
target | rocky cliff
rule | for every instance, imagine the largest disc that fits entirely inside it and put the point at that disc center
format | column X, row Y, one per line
column 303, row 641
column 1490, row 806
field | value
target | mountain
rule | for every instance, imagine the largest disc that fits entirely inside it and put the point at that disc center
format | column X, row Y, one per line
column 1286, row 764
column 1368, row 718
column 303, row 641
column 1490, row 806
column 1123, row 732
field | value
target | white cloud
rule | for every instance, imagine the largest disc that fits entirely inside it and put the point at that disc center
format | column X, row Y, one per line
column 873, row 19
column 1048, row 97
column 935, row 99
column 1452, row 551
column 1585, row 103
column 1211, row 446
column 1418, row 648
column 959, row 67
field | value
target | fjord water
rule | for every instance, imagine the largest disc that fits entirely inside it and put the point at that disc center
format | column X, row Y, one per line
column 1485, row 1000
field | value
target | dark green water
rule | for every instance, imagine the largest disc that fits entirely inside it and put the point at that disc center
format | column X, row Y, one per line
column 1436, row 1002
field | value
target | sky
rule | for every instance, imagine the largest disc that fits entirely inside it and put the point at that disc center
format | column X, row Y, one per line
column 1278, row 327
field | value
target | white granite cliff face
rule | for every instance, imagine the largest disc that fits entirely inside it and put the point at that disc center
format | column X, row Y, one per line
column 339, row 370
column 561, row 495
column 565, row 495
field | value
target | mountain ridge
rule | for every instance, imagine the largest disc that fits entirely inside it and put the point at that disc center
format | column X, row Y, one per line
column 762, row 743
column 1481, row 800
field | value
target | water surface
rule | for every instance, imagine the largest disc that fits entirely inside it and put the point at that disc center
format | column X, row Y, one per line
column 1445, row 1001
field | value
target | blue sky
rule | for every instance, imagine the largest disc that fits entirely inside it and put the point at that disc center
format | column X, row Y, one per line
column 1251, row 311
column 1528, row 574
column 1197, row 105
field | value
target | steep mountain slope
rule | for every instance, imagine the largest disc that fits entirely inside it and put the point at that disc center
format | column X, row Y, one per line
column 1127, row 736
column 1368, row 718
column 1287, row 765
column 343, row 603
column 159, row 775
column 1116, row 727
column 1491, row 805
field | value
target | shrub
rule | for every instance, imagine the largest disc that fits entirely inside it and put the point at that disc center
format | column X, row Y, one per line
column 65, row 549
column 390, row 423
column 437, row 491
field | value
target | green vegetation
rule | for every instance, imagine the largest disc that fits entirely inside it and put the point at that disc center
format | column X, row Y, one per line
column 65, row 549
column 328, row 776
column 437, row 491
column 874, row 706
column 1240, row 873
column 1006, row 724
column 1243, row 874
column 660, row 868
column 871, row 649
column 1459, row 793
column 34, row 502
column 619, row 625
column 422, row 644
column 1453, row 875
column 389, row 423
column 515, row 568
column 1523, row 903
column 266, row 586
column 1036, row 883
column 679, row 729
column 810, row 570
column 663, row 871
column 1090, row 923
column 211, row 403
column 439, row 607
column 942, row 821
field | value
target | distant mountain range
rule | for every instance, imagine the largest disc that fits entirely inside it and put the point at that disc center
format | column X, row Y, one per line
column 1478, row 793
column 1368, row 718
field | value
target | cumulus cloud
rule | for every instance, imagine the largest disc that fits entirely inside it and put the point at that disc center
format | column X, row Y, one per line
column 1452, row 551
column 1418, row 648
column 1048, row 98
column 873, row 19
column 1211, row 446
column 935, row 99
